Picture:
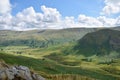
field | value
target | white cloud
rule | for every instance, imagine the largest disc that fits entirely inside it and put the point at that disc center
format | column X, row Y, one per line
column 50, row 19
column 107, row 22
column 111, row 7
column 27, row 15
column 69, row 22
column 5, row 16
column 89, row 21
column 5, row 6
column 101, row 21
column 50, row 14
column 5, row 21
column 28, row 19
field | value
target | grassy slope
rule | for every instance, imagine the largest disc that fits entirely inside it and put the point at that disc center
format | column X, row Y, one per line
column 43, row 60
column 101, row 42
column 49, row 66
column 42, row 37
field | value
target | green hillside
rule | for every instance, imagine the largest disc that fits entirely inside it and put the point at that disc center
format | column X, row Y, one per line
column 49, row 68
column 41, row 38
column 101, row 42
column 65, row 54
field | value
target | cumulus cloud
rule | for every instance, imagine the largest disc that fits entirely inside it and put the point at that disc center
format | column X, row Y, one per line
column 6, row 21
column 69, row 22
column 111, row 7
column 5, row 6
column 5, row 16
column 28, row 19
column 89, row 21
column 107, row 22
column 101, row 21
column 50, row 18
column 50, row 14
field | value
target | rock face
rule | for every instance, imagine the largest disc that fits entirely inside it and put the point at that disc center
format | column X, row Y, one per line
column 17, row 73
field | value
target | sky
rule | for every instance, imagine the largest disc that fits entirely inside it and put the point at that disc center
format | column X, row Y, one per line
column 58, row 14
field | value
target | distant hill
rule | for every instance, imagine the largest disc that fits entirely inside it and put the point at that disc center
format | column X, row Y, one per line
column 42, row 38
column 101, row 42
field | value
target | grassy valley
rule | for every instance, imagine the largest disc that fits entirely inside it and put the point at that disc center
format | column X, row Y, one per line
column 68, row 54
column 50, row 67
column 41, row 38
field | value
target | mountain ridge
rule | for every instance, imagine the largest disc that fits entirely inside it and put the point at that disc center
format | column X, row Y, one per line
column 100, row 42
column 43, row 37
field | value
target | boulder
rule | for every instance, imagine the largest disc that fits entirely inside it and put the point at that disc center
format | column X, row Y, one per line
column 17, row 73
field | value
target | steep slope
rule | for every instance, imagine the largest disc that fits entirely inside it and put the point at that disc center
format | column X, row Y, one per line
column 42, row 38
column 101, row 42
column 47, row 68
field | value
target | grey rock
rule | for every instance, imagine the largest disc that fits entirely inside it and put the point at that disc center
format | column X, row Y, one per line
column 18, row 73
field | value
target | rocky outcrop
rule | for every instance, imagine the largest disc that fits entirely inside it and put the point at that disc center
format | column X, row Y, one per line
column 17, row 73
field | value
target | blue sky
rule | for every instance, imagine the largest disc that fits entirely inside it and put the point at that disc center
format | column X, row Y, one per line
column 58, row 14
column 65, row 7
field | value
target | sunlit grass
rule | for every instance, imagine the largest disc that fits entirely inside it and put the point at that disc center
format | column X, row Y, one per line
column 73, row 65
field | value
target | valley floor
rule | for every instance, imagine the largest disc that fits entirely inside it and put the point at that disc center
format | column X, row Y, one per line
column 54, row 64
